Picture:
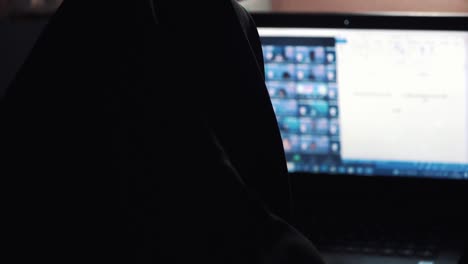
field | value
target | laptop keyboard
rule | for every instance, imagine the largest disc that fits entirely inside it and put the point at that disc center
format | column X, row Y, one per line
column 383, row 249
column 381, row 242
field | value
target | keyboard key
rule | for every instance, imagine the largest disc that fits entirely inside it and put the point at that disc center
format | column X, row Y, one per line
column 407, row 252
column 369, row 250
column 426, row 253
column 387, row 251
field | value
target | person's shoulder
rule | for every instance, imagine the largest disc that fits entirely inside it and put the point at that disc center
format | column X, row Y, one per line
column 242, row 14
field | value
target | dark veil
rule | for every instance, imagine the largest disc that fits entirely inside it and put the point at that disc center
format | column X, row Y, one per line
column 150, row 133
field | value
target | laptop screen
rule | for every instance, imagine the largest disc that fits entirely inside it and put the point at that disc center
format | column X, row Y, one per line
column 370, row 102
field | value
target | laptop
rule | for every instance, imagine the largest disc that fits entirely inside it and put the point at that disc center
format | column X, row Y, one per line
column 373, row 112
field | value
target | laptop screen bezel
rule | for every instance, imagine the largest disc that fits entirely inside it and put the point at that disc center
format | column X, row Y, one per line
column 320, row 185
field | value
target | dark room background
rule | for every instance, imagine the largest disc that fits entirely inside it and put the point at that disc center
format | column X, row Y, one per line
column 21, row 21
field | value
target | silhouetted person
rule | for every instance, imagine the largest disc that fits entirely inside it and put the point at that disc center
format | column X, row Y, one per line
column 312, row 56
column 112, row 155
column 282, row 93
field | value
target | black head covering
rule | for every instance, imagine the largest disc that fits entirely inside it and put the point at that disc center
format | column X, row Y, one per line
column 153, row 124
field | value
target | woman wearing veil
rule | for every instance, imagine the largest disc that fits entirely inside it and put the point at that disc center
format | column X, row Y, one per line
column 142, row 132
